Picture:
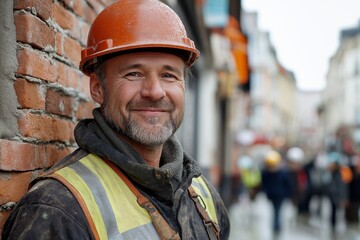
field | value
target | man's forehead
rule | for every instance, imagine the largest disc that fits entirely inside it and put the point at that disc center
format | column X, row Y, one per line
column 144, row 59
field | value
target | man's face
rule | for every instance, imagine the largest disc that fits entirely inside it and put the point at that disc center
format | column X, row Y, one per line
column 143, row 96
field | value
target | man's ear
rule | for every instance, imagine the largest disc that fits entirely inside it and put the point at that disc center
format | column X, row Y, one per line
column 96, row 90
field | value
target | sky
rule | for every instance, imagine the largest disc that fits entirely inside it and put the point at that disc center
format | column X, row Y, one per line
column 305, row 33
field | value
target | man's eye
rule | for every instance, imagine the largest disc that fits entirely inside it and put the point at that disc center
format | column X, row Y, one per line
column 133, row 74
column 169, row 76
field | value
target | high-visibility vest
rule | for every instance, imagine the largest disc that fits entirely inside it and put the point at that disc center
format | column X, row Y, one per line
column 251, row 178
column 111, row 208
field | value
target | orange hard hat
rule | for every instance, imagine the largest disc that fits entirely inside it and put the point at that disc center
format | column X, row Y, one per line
column 272, row 158
column 136, row 25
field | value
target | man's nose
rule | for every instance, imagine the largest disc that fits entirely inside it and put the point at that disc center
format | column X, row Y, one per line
column 153, row 88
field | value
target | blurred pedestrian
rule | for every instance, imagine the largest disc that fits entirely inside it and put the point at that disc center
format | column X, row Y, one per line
column 353, row 209
column 298, row 179
column 318, row 178
column 336, row 189
column 250, row 175
column 276, row 185
column 304, row 204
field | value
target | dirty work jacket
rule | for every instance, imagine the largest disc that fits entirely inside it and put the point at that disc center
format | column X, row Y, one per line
column 97, row 186
column 50, row 211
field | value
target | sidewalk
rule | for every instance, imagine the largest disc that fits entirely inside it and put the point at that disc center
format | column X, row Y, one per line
column 252, row 221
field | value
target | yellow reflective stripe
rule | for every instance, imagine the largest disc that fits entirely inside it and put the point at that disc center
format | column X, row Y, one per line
column 147, row 232
column 124, row 207
column 200, row 186
column 122, row 200
column 78, row 183
column 101, row 199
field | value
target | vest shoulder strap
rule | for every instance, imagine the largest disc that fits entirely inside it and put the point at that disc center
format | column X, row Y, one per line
column 91, row 173
column 212, row 227
column 162, row 227
column 97, row 188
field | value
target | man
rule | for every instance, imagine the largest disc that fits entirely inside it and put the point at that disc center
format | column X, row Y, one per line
column 276, row 186
column 130, row 178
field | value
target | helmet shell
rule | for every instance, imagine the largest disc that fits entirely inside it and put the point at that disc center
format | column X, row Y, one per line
column 136, row 24
column 272, row 158
column 295, row 154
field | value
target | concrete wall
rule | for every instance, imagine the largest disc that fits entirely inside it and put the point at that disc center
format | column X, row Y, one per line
column 8, row 66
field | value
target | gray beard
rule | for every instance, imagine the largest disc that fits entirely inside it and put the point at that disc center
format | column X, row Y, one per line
column 141, row 135
column 136, row 132
column 150, row 138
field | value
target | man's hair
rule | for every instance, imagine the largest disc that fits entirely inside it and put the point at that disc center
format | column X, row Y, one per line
column 99, row 71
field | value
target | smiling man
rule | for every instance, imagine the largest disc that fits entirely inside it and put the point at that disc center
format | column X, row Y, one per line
column 129, row 178
column 143, row 98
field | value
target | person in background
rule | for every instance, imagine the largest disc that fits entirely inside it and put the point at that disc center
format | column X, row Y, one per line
column 353, row 210
column 319, row 178
column 130, row 177
column 304, row 204
column 276, row 185
column 295, row 158
column 337, row 189
column 250, row 176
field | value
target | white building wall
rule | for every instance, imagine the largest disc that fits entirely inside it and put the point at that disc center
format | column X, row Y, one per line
column 342, row 93
column 309, row 128
column 271, row 91
column 208, row 127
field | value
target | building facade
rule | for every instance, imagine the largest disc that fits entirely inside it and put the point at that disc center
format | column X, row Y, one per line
column 340, row 115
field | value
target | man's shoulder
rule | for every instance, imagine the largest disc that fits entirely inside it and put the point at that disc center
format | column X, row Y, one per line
column 48, row 191
column 47, row 211
column 68, row 160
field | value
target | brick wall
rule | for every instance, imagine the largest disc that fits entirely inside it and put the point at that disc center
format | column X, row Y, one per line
column 51, row 93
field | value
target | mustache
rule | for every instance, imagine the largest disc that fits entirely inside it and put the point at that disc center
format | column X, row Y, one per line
column 161, row 104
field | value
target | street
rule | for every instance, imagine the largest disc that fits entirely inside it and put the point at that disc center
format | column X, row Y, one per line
column 252, row 221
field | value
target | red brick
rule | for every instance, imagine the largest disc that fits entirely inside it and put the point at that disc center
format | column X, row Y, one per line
column 72, row 138
column 104, row 2
column 3, row 217
column 85, row 86
column 46, row 128
column 84, row 30
column 42, row 8
column 16, row 185
column 85, row 109
column 35, row 64
column 68, row 76
column 20, row 156
column 29, row 94
column 72, row 50
column 89, row 13
column 96, row 5
column 66, row 20
column 58, row 103
column 75, row 5
column 55, row 153
column 33, row 31
column 59, row 46
column 62, row 17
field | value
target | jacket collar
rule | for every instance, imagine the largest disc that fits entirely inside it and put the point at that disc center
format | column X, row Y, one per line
column 177, row 169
